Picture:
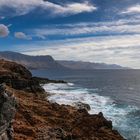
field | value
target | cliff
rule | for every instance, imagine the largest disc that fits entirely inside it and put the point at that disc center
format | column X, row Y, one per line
column 7, row 112
column 32, row 62
column 38, row 119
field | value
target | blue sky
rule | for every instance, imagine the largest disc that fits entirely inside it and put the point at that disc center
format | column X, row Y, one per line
column 89, row 30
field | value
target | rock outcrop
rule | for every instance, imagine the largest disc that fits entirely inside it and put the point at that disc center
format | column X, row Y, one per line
column 18, row 77
column 46, row 80
column 81, row 106
column 41, row 120
column 38, row 119
column 7, row 113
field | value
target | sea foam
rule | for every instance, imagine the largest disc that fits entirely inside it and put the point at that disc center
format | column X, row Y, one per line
column 119, row 114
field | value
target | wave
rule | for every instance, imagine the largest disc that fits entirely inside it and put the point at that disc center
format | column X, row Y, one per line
column 122, row 116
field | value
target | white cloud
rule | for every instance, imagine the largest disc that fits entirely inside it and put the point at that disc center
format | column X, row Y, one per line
column 4, row 31
column 72, row 8
column 116, row 27
column 113, row 49
column 133, row 9
column 40, row 36
column 22, row 7
column 21, row 35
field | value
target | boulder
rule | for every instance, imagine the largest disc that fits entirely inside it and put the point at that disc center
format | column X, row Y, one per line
column 82, row 106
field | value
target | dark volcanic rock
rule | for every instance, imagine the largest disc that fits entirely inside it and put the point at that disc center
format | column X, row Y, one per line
column 18, row 77
column 7, row 113
column 81, row 106
column 46, row 80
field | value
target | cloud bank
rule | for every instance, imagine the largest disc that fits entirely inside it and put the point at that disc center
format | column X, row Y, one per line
column 131, row 26
column 22, row 7
column 123, row 50
column 132, row 10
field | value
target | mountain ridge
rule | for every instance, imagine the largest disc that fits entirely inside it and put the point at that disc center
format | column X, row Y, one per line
column 48, row 62
column 89, row 65
column 31, row 62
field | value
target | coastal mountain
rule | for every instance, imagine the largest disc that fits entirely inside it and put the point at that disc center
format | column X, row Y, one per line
column 88, row 65
column 32, row 62
column 47, row 62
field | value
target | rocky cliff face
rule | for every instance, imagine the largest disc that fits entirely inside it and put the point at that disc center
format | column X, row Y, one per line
column 41, row 120
column 32, row 62
column 7, row 113
column 18, row 77
column 38, row 119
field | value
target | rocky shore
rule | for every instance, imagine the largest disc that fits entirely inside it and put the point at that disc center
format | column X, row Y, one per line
column 37, row 119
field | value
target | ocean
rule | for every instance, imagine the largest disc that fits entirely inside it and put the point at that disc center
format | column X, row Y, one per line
column 116, row 93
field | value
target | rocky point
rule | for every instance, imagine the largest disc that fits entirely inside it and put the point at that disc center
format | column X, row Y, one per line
column 38, row 119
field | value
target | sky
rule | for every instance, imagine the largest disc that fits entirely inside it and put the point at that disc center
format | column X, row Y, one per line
column 104, row 31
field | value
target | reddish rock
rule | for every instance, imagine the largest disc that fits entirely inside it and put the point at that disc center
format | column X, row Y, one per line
column 38, row 119
column 18, row 77
column 52, row 121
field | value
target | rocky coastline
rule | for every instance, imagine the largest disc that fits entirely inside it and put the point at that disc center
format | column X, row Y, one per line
column 33, row 117
column 46, row 80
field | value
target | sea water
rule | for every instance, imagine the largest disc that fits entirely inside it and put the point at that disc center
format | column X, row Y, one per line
column 116, row 93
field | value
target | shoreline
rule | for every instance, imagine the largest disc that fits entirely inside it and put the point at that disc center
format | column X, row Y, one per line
column 76, row 95
column 37, row 118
